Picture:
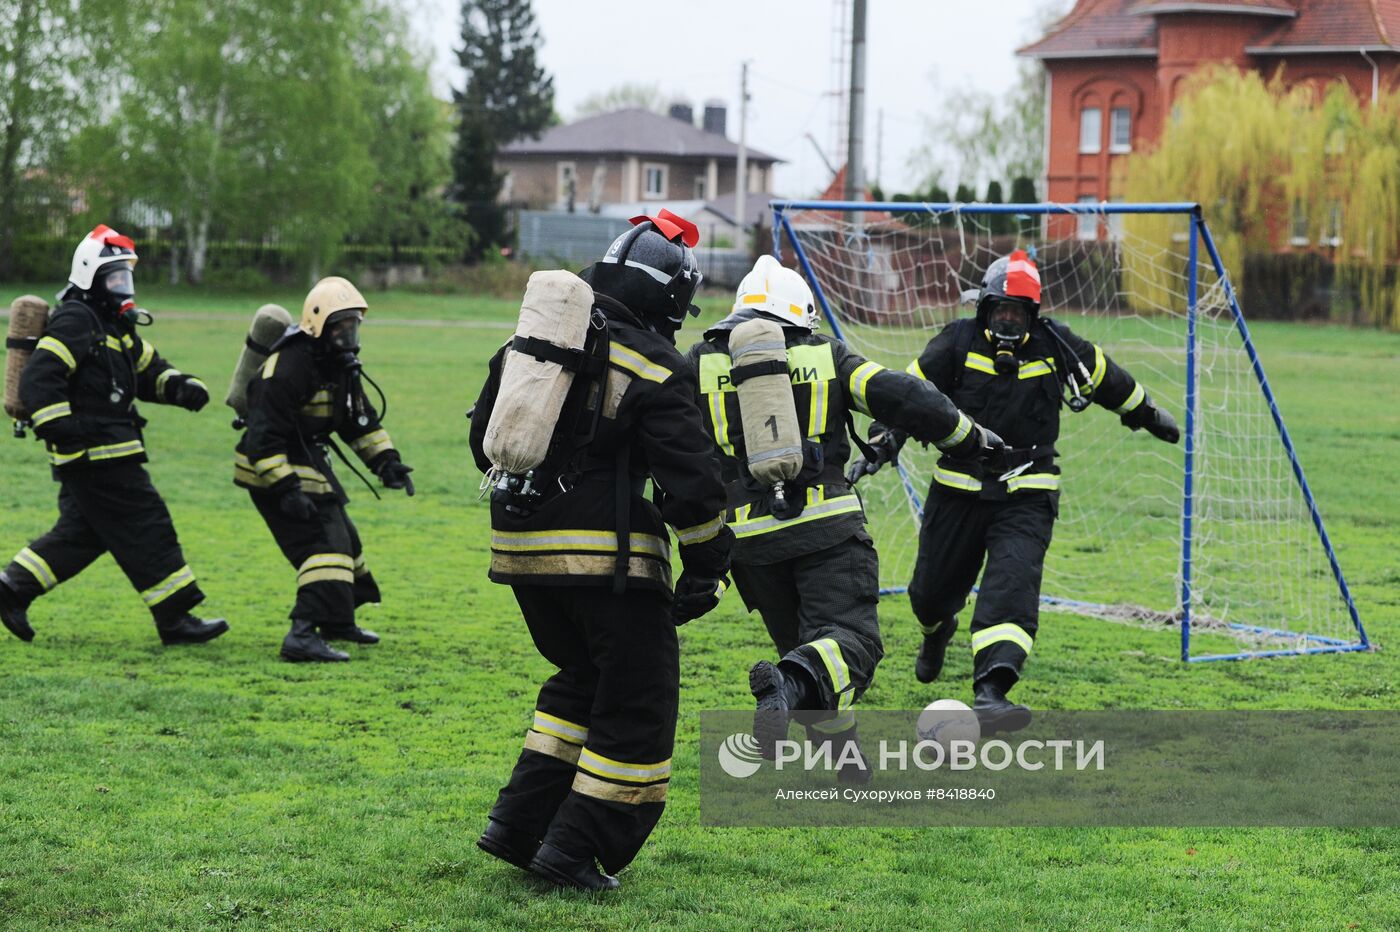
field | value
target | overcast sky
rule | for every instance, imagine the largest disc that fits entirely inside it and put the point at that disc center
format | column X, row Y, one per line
column 917, row 50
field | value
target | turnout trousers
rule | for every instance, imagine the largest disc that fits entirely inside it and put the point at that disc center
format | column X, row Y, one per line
column 821, row 611
column 960, row 532
column 332, row 578
column 592, row 777
column 114, row 509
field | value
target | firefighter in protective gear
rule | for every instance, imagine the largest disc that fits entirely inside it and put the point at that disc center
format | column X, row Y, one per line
column 309, row 391
column 81, row 385
column 590, row 566
column 1013, row 370
column 806, row 564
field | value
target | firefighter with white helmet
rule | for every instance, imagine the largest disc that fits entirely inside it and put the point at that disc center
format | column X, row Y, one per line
column 778, row 398
column 80, row 387
column 310, row 390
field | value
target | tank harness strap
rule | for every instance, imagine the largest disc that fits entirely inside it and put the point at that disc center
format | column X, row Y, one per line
column 257, row 347
column 622, row 498
column 21, row 343
column 574, row 360
column 866, row 450
column 739, row 374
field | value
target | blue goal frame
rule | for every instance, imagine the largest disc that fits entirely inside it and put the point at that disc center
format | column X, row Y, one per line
column 1199, row 234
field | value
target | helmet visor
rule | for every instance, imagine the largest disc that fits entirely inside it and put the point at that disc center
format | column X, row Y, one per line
column 343, row 331
column 119, row 282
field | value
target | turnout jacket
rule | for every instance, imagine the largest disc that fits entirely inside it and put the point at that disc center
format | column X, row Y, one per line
column 828, row 381
column 82, row 384
column 295, row 405
column 1024, row 408
column 648, row 427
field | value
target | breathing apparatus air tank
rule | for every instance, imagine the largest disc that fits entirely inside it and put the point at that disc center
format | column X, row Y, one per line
column 28, row 317
column 536, row 375
column 772, row 437
column 269, row 324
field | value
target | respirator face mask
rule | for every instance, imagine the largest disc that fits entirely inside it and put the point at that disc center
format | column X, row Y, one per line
column 1008, row 326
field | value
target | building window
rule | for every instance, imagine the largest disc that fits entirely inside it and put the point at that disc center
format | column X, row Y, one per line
column 1298, row 234
column 700, row 187
column 1333, row 236
column 567, row 173
column 1090, row 130
column 1120, row 130
column 655, row 178
column 1088, row 223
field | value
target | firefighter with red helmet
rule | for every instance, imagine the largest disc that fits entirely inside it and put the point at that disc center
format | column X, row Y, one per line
column 1013, row 370
column 81, row 385
column 309, row 391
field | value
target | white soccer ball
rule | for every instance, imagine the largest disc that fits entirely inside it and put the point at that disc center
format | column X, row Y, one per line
column 946, row 720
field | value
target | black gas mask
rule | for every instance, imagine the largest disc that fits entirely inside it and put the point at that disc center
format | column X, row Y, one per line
column 1008, row 326
column 342, row 338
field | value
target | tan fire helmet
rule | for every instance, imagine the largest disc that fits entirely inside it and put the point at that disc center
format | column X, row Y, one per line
column 326, row 297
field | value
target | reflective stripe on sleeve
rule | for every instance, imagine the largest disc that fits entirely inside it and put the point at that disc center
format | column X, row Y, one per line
column 273, row 468
column 701, row 532
column 916, row 370
column 1134, row 399
column 637, row 364
column 168, row 586
column 372, row 444
column 148, row 352
column 959, row 433
column 860, row 378
column 51, row 413
column 58, row 349
column 164, row 377
column 985, row 638
column 1100, row 365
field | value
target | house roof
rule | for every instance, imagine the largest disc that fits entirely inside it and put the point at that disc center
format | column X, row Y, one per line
column 633, row 132
column 1126, row 28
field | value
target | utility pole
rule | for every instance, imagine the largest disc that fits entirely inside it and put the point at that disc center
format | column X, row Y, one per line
column 879, row 147
column 855, row 138
column 741, row 174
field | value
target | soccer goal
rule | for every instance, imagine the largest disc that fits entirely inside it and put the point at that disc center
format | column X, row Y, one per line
column 1219, row 538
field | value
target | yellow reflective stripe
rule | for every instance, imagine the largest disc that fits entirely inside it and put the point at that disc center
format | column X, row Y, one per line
column 273, row 468
column 637, row 364
column 127, row 341
column 168, row 586
column 1033, row 480
column 585, row 540
column 719, row 418
column 614, row 793
column 270, row 366
column 372, row 444
column 959, row 433
column 164, row 377
column 1134, row 399
column 841, row 721
column 1033, row 368
column 148, row 352
column 916, row 370
column 623, row 770
column 859, row 379
column 329, row 574
column 326, row 567
column 1100, row 364
column 361, row 569
column 115, row 450
column 319, row 405
column 561, row 728
column 956, row 480
column 51, row 413
column 985, row 638
column 980, row 363
column 59, row 350
column 837, row 670
column 552, row 746
column 746, row 527
column 113, row 343
column 38, row 567
column 816, row 409
column 701, row 532
column 59, row 459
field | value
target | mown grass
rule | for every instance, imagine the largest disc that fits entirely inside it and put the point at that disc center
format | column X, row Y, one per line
column 217, row 786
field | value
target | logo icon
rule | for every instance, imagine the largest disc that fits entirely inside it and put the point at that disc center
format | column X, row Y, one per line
column 739, row 755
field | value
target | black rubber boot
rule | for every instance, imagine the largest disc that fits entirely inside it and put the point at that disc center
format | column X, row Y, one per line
column 187, row 629
column 304, row 643
column 565, row 870
column 930, row 663
column 353, row 633
column 14, row 612
column 777, row 697
column 994, row 711
column 507, row 844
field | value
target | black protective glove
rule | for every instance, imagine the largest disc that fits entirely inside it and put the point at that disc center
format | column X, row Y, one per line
column 695, row 596
column 1158, row 422
column 886, row 445
column 989, row 444
column 394, row 474
column 191, row 394
column 295, row 504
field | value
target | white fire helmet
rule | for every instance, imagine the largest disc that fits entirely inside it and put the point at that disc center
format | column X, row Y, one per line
column 103, row 246
column 779, row 293
column 329, row 296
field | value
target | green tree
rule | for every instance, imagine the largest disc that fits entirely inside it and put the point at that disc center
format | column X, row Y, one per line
column 622, row 97
column 507, row 95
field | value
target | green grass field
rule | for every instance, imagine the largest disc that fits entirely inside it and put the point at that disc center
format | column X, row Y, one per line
column 143, row 787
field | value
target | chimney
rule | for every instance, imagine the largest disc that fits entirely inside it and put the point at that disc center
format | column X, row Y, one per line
column 714, row 117
column 681, row 110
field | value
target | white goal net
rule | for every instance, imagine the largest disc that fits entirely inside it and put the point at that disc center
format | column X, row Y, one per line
column 1259, row 571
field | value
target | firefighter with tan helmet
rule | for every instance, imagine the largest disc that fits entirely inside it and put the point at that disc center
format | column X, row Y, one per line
column 79, row 390
column 309, row 391
column 778, row 398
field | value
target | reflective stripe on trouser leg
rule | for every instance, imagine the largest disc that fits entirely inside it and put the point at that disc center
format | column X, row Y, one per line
column 320, row 551
column 69, row 547
column 36, row 567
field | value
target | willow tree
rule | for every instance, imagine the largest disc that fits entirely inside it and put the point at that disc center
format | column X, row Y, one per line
column 1266, row 161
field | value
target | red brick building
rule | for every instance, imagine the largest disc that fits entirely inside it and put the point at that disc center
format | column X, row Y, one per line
column 1113, row 69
